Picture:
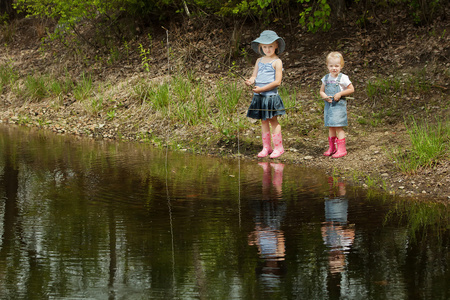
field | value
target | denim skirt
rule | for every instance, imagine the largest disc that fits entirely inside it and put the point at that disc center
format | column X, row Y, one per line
column 266, row 107
column 335, row 113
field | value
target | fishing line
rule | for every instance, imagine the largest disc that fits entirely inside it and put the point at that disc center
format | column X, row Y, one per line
column 169, row 205
column 239, row 166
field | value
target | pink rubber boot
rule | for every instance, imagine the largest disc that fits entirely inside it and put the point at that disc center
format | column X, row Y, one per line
column 332, row 149
column 267, row 147
column 341, row 151
column 278, row 145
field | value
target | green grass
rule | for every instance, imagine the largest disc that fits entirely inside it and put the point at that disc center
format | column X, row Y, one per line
column 60, row 87
column 7, row 76
column 387, row 90
column 228, row 95
column 157, row 96
column 289, row 96
column 187, row 100
column 84, row 88
column 429, row 142
column 35, row 87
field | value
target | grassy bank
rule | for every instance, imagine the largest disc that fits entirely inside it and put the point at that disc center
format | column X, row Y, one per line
column 218, row 105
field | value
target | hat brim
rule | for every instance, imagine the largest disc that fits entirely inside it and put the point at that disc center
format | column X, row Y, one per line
column 267, row 41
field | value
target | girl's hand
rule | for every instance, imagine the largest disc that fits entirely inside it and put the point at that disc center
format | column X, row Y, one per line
column 337, row 96
column 250, row 81
column 329, row 99
column 257, row 90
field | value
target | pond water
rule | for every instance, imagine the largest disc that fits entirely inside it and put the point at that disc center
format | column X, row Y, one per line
column 86, row 219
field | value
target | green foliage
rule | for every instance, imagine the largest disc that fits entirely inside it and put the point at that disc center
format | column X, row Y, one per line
column 76, row 18
column 67, row 11
column 267, row 10
column 145, row 57
column 316, row 15
column 424, row 11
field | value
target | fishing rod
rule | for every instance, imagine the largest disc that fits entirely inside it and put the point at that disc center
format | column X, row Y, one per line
column 351, row 98
column 343, row 98
column 261, row 109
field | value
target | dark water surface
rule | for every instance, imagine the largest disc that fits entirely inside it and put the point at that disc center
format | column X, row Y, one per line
column 84, row 219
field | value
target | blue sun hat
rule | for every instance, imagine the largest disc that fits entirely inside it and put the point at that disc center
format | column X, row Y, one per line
column 268, row 37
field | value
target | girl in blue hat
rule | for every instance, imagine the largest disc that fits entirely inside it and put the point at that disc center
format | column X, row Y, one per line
column 266, row 103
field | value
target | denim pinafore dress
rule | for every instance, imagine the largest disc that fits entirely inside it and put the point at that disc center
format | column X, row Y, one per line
column 335, row 113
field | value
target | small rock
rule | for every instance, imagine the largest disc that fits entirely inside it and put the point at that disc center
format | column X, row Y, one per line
column 401, row 187
column 308, row 157
column 385, row 175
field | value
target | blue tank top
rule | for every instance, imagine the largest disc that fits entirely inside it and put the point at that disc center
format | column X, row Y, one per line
column 266, row 75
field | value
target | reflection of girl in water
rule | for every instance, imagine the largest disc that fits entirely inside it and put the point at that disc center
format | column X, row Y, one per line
column 337, row 234
column 267, row 236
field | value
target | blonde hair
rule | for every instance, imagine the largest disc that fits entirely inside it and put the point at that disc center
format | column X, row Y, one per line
column 336, row 55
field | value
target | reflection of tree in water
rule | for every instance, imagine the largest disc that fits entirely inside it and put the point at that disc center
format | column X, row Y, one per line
column 267, row 236
column 337, row 234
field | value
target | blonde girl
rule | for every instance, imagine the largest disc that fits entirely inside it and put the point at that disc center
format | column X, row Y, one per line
column 335, row 86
